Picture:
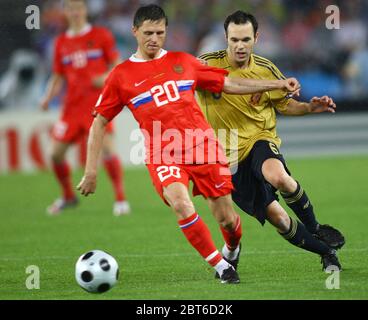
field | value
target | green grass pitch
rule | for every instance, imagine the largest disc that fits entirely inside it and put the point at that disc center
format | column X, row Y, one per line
column 155, row 260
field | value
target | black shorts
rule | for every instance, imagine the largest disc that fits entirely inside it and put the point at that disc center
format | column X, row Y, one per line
column 252, row 192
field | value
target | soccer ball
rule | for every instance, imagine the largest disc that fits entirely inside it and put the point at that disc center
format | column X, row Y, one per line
column 96, row 271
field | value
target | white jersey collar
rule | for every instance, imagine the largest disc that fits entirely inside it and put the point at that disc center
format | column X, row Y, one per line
column 133, row 57
column 71, row 33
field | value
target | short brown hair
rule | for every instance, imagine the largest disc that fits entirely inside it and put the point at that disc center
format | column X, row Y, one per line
column 150, row 12
column 241, row 17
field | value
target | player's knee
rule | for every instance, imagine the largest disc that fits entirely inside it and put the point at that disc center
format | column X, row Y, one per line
column 108, row 151
column 182, row 207
column 229, row 223
column 56, row 156
column 227, row 218
column 281, row 181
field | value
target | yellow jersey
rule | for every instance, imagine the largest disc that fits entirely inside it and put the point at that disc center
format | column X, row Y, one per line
column 241, row 120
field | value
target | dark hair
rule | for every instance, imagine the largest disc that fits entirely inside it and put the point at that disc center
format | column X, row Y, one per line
column 150, row 12
column 241, row 17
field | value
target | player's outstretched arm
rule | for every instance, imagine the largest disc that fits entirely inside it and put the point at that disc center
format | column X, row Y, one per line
column 248, row 86
column 52, row 90
column 96, row 133
column 315, row 105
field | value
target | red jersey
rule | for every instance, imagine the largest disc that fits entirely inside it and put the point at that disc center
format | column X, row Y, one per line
column 80, row 58
column 161, row 95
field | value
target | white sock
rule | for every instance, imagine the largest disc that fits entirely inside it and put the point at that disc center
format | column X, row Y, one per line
column 230, row 255
column 221, row 266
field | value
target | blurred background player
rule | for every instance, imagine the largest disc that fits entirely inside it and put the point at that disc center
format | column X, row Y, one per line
column 158, row 88
column 259, row 170
column 83, row 56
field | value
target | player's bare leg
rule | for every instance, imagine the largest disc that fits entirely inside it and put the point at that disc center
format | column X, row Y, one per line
column 176, row 194
column 62, row 173
column 274, row 172
column 296, row 198
column 278, row 217
column 114, row 169
column 294, row 232
column 230, row 225
column 196, row 231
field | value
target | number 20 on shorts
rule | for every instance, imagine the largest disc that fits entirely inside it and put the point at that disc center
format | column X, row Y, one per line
column 165, row 172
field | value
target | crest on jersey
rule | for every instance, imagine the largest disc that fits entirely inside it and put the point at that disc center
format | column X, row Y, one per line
column 255, row 98
column 90, row 44
column 178, row 68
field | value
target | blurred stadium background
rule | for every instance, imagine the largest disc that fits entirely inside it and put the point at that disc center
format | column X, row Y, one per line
column 293, row 35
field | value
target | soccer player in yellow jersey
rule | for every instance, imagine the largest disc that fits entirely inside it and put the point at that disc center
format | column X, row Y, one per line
column 259, row 170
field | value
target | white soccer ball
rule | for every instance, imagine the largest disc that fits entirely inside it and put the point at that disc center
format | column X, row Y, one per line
column 96, row 271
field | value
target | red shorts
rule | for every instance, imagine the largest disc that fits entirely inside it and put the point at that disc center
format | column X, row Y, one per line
column 209, row 180
column 71, row 131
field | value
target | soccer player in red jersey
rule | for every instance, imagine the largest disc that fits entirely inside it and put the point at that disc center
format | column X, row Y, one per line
column 158, row 87
column 83, row 56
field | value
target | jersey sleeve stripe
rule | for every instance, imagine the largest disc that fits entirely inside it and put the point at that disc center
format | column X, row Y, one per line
column 213, row 55
column 274, row 72
column 261, row 58
column 265, row 62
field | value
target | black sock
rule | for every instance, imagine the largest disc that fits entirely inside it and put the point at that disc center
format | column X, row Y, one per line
column 298, row 201
column 299, row 236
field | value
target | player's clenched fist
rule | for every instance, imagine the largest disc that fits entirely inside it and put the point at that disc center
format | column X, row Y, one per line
column 292, row 85
column 87, row 185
